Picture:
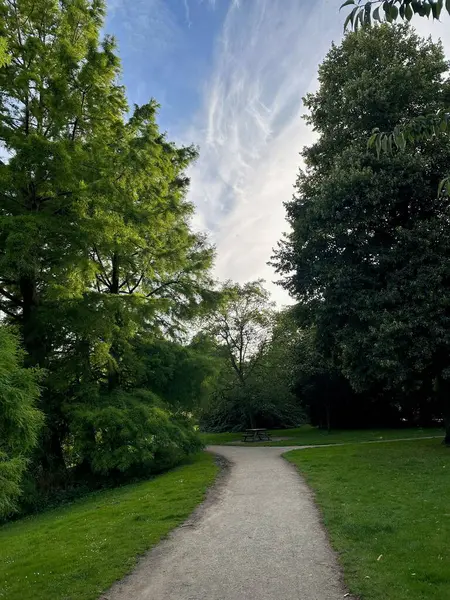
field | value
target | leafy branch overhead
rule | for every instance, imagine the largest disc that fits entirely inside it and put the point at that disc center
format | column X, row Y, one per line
column 419, row 128
column 364, row 11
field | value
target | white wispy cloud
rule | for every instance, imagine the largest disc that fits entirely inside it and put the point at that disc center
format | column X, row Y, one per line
column 250, row 129
column 187, row 12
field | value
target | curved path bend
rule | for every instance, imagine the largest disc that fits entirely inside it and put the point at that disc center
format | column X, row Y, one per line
column 258, row 537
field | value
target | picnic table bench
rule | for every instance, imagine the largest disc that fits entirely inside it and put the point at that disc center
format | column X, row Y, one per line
column 256, row 435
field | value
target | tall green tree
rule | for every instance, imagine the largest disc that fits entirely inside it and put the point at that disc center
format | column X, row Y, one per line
column 20, row 421
column 95, row 239
column 274, row 380
column 366, row 256
column 57, row 95
column 268, row 396
column 421, row 127
column 242, row 326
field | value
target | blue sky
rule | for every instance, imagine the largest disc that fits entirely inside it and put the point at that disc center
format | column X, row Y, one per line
column 230, row 76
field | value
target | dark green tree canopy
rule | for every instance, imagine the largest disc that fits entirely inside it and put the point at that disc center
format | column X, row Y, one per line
column 366, row 255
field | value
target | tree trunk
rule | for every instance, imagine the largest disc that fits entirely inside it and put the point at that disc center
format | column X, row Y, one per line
column 114, row 375
column 31, row 336
column 52, row 459
column 114, row 289
column 328, row 417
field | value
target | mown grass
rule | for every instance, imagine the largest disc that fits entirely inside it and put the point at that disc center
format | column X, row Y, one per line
column 307, row 435
column 386, row 507
column 78, row 551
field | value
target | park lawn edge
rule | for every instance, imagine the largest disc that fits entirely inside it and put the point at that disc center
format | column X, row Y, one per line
column 383, row 508
column 307, row 435
column 78, row 551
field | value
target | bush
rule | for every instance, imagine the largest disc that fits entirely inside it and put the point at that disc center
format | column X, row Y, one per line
column 20, row 421
column 130, row 433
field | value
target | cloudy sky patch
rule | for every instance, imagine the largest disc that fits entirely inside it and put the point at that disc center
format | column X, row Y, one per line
column 230, row 75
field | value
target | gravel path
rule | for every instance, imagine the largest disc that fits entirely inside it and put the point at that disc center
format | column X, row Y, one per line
column 258, row 537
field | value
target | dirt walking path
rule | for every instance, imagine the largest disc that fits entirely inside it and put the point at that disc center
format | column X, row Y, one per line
column 258, row 537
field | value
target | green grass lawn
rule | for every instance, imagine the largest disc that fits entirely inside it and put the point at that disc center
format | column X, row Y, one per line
column 76, row 552
column 386, row 507
column 306, row 435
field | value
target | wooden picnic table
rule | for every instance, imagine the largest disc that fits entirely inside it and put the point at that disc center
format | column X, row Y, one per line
column 256, row 435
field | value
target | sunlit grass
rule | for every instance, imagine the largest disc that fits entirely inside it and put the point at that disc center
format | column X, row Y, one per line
column 78, row 551
column 386, row 509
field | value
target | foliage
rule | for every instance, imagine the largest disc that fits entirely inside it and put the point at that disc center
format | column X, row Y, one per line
column 424, row 126
column 183, row 375
column 366, row 257
column 129, row 432
column 96, row 247
column 4, row 57
column 364, row 11
column 385, row 508
column 255, row 384
column 242, row 325
column 79, row 551
column 20, row 421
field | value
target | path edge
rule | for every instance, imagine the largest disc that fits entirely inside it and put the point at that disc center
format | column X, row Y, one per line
column 341, row 574
column 212, row 495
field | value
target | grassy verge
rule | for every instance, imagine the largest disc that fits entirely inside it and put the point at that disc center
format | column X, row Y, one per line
column 307, row 435
column 76, row 552
column 386, row 509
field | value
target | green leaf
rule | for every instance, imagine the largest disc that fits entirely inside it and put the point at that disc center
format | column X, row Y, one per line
column 361, row 17
column 393, row 12
column 356, row 23
column 445, row 182
column 409, row 12
column 389, row 144
column 347, row 3
column 436, row 8
column 372, row 140
column 378, row 145
column 367, row 15
column 447, row 5
column 376, row 14
column 350, row 18
column 387, row 11
column 400, row 141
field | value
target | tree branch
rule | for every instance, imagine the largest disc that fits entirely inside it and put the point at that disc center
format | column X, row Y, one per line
column 11, row 297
